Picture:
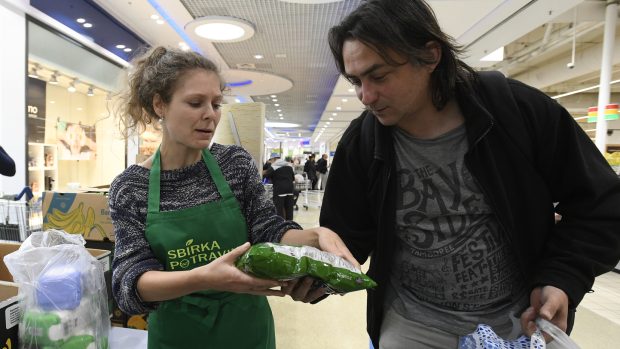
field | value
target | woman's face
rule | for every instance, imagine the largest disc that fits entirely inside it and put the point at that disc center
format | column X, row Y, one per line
column 193, row 113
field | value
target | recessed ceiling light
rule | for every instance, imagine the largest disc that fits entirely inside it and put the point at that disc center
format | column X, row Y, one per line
column 273, row 96
column 275, row 100
column 160, row 21
column 80, row 20
column 277, row 105
column 258, row 56
column 154, row 17
column 237, row 100
column 279, row 110
column 280, row 114
column 87, row 25
column 221, row 28
column 328, row 122
column 79, row 108
column 334, row 114
column 52, row 102
column 338, row 108
column 351, row 90
column 344, row 100
column 330, row 119
column 120, row 46
column 281, row 118
column 127, row 49
column 280, row 124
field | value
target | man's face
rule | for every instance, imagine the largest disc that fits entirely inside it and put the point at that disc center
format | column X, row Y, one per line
column 394, row 94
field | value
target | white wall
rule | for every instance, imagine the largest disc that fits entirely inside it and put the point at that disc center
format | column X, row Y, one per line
column 13, row 91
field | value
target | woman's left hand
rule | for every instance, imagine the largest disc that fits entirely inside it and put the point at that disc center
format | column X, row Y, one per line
column 330, row 242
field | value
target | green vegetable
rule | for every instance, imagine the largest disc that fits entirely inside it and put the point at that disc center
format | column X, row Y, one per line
column 282, row 262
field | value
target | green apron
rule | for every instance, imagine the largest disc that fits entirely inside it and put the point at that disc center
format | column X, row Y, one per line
column 191, row 237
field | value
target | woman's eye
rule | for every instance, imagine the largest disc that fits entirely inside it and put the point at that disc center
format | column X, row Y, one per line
column 217, row 106
column 195, row 104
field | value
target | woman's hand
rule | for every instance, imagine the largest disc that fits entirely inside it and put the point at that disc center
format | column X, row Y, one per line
column 223, row 275
column 330, row 242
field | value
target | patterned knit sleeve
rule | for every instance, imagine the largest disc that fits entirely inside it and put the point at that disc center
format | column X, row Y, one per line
column 264, row 225
column 132, row 253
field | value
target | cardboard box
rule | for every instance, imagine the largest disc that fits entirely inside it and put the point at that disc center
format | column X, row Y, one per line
column 87, row 214
column 9, row 316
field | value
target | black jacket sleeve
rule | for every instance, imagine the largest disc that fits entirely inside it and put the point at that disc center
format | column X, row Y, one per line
column 586, row 242
column 7, row 165
column 346, row 208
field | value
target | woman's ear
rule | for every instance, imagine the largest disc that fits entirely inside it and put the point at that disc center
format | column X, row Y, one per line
column 434, row 50
column 159, row 106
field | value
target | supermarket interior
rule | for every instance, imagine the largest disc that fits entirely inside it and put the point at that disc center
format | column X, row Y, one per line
column 63, row 79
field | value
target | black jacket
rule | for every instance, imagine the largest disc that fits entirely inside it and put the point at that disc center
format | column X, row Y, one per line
column 282, row 178
column 310, row 169
column 526, row 152
column 321, row 166
column 7, row 165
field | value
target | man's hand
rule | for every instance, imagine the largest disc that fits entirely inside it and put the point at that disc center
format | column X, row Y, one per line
column 304, row 289
column 549, row 303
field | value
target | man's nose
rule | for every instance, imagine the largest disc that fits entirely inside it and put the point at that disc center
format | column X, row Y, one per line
column 367, row 94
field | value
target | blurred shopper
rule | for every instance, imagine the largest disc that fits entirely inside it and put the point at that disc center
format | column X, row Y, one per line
column 321, row 169
column 267, row 166
column 448, row 180
column 182, row 217
column 7, row 165
column 282, row 177
column 310, row 170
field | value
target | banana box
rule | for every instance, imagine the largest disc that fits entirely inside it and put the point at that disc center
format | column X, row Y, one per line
column 87, row 214
column 9, row 316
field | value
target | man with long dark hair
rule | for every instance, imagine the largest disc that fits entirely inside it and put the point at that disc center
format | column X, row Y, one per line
column 448, row 182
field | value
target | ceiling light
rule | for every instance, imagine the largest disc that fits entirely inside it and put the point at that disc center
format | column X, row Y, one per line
column 80, row 20
column 334, row 114
column 120, row 46
column 330, row 119
column 280, row 114
column 221, row 28
column 495, row 56
column 237, row 100
column 351, row 90
column 344, row 100
column 71, row 87
column 90, row 92
column 281, row 118
column 273, row 96
column 52, row 102
column 154, row 17
column 160, row 21
column 281, row 124
column 79, row 108
column 338, row 108
column 277, row 105
column 54, row 78
column 87, row 25
column 279, row 110
column 328, row 122
column 127, row 49
column 34, row 72
column 275, row 100
column 258, row 56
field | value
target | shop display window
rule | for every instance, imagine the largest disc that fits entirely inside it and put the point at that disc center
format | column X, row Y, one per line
column 73, row 140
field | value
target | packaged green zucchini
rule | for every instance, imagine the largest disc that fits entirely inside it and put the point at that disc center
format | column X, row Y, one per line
column 283, row 262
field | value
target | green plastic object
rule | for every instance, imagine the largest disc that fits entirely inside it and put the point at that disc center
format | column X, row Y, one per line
column 79, row 342
column 39, row 329
column 283, row 262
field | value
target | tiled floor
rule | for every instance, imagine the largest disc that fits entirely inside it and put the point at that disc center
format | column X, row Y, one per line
column 339, row 322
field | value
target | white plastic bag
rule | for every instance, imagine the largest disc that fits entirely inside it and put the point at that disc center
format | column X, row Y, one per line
column 485, row 338
column 62, row 291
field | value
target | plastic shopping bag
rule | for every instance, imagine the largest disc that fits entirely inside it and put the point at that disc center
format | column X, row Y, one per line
column 485, row 338
column 62, row 293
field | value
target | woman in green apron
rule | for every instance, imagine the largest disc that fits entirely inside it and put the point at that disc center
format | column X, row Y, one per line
column 182, row 217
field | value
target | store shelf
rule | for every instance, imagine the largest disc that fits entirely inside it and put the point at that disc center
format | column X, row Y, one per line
column 42, row 167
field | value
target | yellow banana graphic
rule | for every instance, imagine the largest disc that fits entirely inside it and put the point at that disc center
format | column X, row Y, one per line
column 7, row 344
column 99, row 229
column 64, row 221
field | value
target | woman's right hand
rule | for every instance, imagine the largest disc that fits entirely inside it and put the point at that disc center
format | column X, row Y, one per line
column 222, row 275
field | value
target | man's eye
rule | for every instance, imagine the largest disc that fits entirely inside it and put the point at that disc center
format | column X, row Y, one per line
column 195, row 104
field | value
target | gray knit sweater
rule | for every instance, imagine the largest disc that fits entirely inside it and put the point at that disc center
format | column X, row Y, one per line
column 181, row 188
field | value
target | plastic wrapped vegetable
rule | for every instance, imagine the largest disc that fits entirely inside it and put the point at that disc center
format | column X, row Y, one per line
column 63, row 293
column 282, row 262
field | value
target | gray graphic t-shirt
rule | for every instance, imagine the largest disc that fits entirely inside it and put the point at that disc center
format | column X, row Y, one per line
column 453, row 266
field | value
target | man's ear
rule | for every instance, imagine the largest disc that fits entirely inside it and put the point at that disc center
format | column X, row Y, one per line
column 434, row 50
column 158, row 105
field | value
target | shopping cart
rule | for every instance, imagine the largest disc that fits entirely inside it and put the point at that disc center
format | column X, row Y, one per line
column 268, row 190
column 310, row 198
column 19, row 219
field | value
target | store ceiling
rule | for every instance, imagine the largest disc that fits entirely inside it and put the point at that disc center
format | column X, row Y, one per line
column 291, row 37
